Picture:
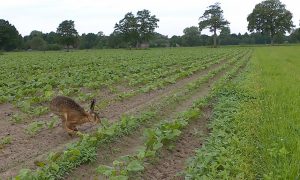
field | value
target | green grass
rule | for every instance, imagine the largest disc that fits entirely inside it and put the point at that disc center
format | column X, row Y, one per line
column 256, row 122
column 278, row 131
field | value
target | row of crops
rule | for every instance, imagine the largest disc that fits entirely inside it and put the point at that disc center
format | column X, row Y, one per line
column 28, row 80
column 142, row 69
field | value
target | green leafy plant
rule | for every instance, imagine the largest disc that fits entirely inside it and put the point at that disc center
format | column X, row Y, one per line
column 52, row 123
column 34, row 127
column 17, row 118
column 122, row 168
column 5, row 141
column 85, row 149
column 162, row 135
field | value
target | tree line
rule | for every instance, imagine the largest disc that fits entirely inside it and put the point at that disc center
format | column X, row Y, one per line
column 268, row 23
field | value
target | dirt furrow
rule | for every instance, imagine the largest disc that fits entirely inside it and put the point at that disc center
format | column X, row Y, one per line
column 105, row 156
column 24, row 150
column 139, row 102
column 172, row 162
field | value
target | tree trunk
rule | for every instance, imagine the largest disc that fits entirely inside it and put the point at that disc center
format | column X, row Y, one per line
column 272, row 38
column 215, row 38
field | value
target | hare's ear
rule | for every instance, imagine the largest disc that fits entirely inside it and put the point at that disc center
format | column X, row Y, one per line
column 93, row 102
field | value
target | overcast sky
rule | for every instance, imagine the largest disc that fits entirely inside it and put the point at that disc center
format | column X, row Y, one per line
column 99, row 15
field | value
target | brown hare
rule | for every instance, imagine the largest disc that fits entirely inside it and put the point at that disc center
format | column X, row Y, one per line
column 72, row 114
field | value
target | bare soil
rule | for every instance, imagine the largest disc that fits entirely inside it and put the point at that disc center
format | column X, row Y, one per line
column 24, row 149
column 172, row 161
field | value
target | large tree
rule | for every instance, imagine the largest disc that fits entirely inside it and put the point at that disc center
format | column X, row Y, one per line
column 270, row 18
column 9, row 36
column 38, row 43
column 67, row 33
column 191, row 36
column 51, row 38
column 175, row 41
column 137, row 29
column 146, row 25
column 224, row 35
column 295, row 36
column 128, row 28
column 214, row 20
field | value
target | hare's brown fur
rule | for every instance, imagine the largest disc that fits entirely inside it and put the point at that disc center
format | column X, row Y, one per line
column 71, row 113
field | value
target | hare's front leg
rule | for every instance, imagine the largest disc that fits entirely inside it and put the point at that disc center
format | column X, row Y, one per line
column 73, row 127
column 68, row 126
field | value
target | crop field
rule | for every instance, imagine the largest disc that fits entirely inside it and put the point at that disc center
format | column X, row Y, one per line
column 158, row 107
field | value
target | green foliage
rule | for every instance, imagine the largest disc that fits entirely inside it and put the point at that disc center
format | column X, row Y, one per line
column 122, row 168
column 25, row 174
column 54, row 47
column 139, row 29
column 222, row 155
column 277, row 113
column 270, row 18
column 163, row 134
column 147, row 25
column 52, row 123
column 34, row 127
column 88, row 41
column 252, row 129
column 155, row 139
column 5, row 141
column 191, row 36
column 10, row 38
column 17, row 118
column 67, row 33
column 213, row 19
column 41, row 76
column 85, row 150
column 128, row 28
column 37, row 126
column 37, row 43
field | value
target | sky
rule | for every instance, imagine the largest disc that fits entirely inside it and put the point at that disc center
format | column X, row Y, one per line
column 101, row 15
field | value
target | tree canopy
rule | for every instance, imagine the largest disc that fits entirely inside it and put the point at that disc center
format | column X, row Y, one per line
column 128, row 28
column 67, row 33
column 137, row 29
column 146, row 25
column 270, row 18
column 191, row 36
column 9, row 36
column 213, row 19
